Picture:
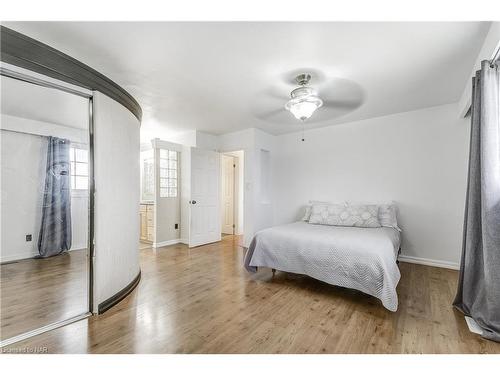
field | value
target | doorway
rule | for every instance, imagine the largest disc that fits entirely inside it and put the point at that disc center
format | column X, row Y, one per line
column 232, row 174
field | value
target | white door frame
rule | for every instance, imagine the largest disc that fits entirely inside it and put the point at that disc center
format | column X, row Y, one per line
column 228, row 227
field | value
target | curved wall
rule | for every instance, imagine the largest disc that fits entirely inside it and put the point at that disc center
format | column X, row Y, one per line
column 116, row 145
column 117, row 194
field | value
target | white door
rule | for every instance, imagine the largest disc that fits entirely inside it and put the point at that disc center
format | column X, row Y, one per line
column 228, row 166
column 204, row 205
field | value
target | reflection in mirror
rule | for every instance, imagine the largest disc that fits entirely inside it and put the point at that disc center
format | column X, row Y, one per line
column 44, row 206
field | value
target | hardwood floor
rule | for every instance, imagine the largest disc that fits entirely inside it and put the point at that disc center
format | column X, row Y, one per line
column 38, row 292
column 202, row 301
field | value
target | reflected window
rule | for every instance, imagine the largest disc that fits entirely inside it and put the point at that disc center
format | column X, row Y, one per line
column 148, row 175
column 79, row 159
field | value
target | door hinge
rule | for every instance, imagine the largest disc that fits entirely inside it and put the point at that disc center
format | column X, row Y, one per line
column 234, row 226
column 234, row 165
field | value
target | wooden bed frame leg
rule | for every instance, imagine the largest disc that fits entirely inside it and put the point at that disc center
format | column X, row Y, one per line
column 274, row 271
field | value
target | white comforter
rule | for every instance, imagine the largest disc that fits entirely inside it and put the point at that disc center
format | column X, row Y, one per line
column 357, row 258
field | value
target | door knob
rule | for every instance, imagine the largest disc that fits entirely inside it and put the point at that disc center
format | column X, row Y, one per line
column 192, row 202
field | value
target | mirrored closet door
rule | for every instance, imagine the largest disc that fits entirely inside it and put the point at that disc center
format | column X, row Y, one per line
column 44, row 206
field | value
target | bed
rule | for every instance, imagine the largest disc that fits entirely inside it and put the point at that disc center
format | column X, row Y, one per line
column 364, row 259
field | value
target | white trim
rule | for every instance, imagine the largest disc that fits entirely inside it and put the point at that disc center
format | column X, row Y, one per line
column 38, row 331
column 19, row 256
column 166, row 243
column 429, row 262
column 158, row 143
column 44, row 78
column 79, row 193
column 185, row 241
column 29, row 255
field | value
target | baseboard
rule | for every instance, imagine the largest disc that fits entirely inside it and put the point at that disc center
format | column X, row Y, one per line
column 166, row 243
column 184, row 241
column 429, row 262
column 113, row 300
column 18, row 257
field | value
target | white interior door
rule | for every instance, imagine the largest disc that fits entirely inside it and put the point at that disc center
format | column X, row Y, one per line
column 228, row 166
column 204, row 205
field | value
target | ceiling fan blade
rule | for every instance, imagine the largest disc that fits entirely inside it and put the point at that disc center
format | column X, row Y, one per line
column 269, row 114
column 276, row 92
column 340, row 96
column 342, row 104
column 339, row 89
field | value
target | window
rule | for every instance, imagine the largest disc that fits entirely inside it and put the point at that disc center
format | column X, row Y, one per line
column 147, row 175
column 168, row 174
column 79, row 160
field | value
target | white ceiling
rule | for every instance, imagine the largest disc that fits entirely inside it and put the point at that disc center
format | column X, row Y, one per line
column 33, row 102
column 223, row 77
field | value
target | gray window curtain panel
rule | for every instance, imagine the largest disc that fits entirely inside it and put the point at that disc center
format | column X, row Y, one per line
column 478, row 294
column 55, row 230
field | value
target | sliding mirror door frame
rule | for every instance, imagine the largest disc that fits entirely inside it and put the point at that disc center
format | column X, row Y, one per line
column 29, row 76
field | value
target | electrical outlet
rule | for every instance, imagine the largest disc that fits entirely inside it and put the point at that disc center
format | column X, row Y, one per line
column 28, row 237
column 176, row 226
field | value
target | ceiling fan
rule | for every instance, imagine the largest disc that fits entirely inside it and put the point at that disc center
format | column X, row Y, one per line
column 304, row 100
column 317, row 98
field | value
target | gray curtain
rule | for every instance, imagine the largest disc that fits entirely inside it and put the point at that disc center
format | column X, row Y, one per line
column 55, row 230
column 478, row 294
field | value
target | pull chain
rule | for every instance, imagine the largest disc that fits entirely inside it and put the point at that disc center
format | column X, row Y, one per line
column 303, row 132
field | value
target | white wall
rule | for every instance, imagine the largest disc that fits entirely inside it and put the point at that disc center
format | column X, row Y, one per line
column 206, row 141
column 257, row 212
column 117, row 179
column 186, row 138
column 195, row 138
column 185, row 191
column 28, row 125
column 148, row 195
column 23, row 164
column 418, row 159
column 491, row 42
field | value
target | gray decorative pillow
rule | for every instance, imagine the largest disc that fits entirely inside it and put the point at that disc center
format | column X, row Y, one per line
column 363, row 216
column 387, row 216
column 307, row 213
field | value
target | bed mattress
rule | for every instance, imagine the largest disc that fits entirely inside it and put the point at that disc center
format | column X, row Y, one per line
column 359, row 258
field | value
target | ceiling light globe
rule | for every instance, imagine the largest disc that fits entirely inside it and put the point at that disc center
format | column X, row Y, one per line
column 303, row 107
column 302, row 111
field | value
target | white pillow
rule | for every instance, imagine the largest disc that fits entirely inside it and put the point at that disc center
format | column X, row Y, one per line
column 363, row 216
column 387, row 214
column 307, row 213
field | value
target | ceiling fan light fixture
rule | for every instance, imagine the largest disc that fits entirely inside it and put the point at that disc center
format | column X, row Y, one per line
column 304, row 100
column 302, row 110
